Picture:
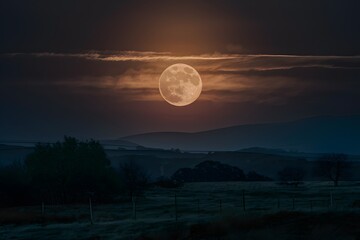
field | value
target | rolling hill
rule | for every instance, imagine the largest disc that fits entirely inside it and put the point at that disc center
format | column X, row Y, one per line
column 317, row 135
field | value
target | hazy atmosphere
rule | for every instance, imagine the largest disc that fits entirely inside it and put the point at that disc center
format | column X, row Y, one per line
column 178, row 120
column 91, row 69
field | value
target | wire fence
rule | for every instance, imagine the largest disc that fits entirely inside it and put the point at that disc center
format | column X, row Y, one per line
column 204, row 201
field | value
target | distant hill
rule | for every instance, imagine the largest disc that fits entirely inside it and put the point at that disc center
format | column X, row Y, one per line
column 119, row 144
column 10, row 147
column 210, row 171
column 315, row 135
column 13, row 153
column 164, row 163
column 214, row 171
column 265, row 150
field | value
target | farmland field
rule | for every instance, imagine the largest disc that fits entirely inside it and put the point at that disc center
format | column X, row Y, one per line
column 159, row 211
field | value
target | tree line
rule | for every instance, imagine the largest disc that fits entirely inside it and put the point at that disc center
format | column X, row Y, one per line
column 68, row 172
column 71, row 171
column 329, row 167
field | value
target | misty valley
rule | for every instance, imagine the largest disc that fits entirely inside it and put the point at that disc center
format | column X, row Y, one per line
column 179, row 120
column 88, row 190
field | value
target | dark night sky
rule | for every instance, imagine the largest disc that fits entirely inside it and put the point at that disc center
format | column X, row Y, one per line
column 91, row 68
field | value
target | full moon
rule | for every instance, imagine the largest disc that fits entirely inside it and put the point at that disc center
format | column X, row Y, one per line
column 180, row 84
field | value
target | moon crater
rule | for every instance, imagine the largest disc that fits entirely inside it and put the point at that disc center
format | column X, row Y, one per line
column 180, row 84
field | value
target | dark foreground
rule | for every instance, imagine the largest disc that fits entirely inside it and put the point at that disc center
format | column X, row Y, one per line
column 282, row 225
column 229, row 210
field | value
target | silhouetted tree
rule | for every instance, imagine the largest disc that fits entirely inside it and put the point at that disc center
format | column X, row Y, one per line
column 14, row 184
column 71, row 169
column 291, row 176
column 332, row 167
column 133, row 178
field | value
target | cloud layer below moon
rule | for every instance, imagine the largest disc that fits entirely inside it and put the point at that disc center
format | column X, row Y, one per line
column 118, row 90
column 133, row 76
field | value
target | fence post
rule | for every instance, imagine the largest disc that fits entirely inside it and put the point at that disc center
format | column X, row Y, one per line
column 198, row 208
column 42, row 208
column 243, row 193
column 331, row 200
column 220, row 206
column 176, row 210
column 311, row 205
column 278, row 203
column 134, row 207
column 91, row 211
column 293, row 203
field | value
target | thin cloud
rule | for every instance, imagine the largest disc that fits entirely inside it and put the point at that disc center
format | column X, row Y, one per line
column 127, row 56
column 147, row 56
column 226, row 77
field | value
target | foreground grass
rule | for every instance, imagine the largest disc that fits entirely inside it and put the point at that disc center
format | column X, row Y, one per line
column 315, row 210
column 17, row 216
column 281, row 225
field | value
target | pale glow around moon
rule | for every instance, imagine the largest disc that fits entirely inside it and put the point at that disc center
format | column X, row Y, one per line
column 180, row 84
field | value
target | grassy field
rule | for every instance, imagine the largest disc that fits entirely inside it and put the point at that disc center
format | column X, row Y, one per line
column 198, row 205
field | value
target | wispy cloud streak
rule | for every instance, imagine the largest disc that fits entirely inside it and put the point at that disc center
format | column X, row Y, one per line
column 226, row 77
column 155, row 56
column 128, row 56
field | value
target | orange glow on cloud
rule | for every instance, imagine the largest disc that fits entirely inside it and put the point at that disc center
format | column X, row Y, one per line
column 226, row 77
